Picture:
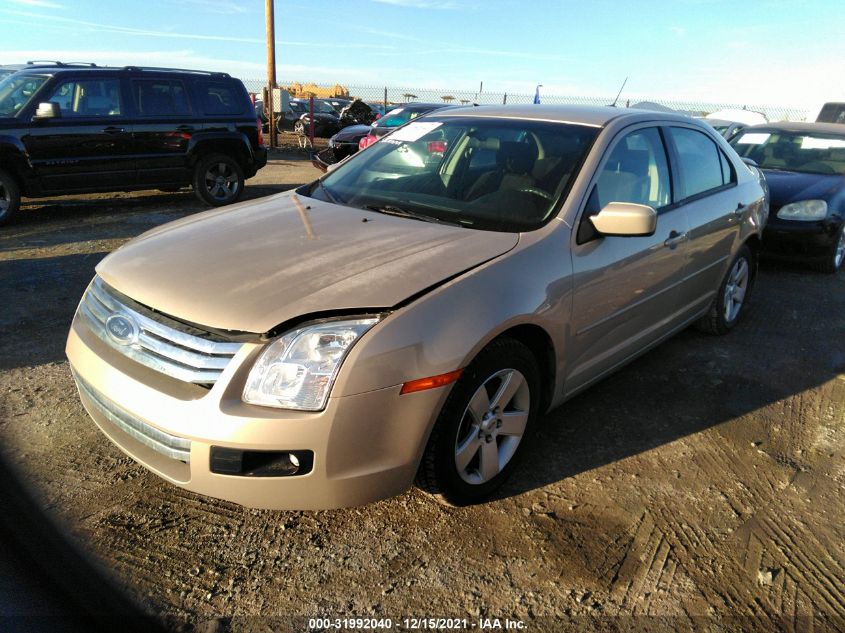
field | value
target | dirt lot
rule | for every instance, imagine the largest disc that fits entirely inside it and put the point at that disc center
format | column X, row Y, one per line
column 702, row 487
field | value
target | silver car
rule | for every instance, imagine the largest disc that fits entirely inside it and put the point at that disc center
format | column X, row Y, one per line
column 411, row 314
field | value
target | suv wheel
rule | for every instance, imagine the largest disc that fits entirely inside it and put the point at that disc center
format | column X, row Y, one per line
column 218, row 180
column 10, row 197
column 484, row 423
column 732, row 296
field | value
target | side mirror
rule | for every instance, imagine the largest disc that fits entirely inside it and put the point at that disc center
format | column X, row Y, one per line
column 750, row 161
column 47, row 110
column 625, row 219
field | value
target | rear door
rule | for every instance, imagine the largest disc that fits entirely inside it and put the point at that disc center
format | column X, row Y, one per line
column 707, row 187
column 165, row 123
column 88, row 146
column 626, row 289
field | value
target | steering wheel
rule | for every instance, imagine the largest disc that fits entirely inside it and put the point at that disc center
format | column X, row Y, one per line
column 537, row 192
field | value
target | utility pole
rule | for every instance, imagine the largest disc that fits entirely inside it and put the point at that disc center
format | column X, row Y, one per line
column 271, row 68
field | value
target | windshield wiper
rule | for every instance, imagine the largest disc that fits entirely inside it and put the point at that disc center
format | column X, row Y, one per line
column 332, row 198
column 389, row 209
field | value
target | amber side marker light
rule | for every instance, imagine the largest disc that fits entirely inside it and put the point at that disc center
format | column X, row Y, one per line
column 432, row 382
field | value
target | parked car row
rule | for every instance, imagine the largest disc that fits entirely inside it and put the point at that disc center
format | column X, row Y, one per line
column 73, row 128
column 350, row 139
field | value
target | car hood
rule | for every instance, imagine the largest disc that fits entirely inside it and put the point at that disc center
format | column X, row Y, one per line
column 253, row 266
column 323, row 116
column 352, row 132
column 791, row 186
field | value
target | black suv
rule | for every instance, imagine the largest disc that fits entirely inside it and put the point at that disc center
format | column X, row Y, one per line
column 74, row 128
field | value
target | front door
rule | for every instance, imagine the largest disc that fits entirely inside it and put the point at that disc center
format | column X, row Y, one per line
column 88, row 146
column 626, row 289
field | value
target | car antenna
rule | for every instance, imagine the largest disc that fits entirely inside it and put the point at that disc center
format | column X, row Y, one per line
column 613, row 105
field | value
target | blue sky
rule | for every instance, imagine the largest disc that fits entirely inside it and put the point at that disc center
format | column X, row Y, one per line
column 770, row 52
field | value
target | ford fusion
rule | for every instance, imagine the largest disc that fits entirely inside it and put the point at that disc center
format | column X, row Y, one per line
column 409, row 316
column 804, row 164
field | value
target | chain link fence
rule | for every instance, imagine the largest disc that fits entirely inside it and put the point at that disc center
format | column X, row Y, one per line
column 397, row 95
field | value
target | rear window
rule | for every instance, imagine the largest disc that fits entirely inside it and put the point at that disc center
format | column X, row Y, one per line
column 832, row 113
column 160, row 97
column 220, row 98
column 703, row 167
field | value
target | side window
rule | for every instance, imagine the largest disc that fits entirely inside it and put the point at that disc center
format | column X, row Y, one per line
column 636, row 171
column 702, row 165
column 160, row 97
column 88, row 98
column 219, row 98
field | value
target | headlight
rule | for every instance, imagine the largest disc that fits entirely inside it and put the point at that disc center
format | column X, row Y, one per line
column 297, row 370
column 804, row 211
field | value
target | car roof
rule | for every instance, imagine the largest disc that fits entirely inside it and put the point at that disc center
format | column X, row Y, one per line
column 597, row 116
column 36, row 67
column 799, row 127
column 416, row 105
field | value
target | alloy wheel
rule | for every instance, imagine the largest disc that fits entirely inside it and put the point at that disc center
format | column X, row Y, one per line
column 492, row 426
column 221, row 181
column 736, row 288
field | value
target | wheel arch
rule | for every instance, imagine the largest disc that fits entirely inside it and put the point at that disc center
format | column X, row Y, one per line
column 228, row 144
column 754, row 244
column 538, row 341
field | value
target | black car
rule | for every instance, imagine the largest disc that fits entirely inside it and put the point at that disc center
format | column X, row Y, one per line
column 67, row 129
column 298, row 118
column 350, row 139
column 804, row 164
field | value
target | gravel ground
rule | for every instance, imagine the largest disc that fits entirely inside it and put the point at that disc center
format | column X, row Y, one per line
column 699, row 488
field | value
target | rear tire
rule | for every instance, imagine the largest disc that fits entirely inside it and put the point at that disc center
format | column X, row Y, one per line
column 833, row 263
column 218, row 180
column 731, row 299
column 483, row 426
column 10, row 197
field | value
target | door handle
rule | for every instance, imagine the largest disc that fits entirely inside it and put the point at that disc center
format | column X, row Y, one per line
column 113, row 130
column 675, row 238
column 185, row 128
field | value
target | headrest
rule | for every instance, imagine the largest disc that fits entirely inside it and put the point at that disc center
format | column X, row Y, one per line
column 517, row 157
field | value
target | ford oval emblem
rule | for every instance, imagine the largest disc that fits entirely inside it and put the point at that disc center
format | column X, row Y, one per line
column 122, row 329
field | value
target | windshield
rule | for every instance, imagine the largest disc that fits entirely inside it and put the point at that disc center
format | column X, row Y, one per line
column 400, row 116
column 491, row 174
column 793, row 151
column 322, row 106
column 16, row 91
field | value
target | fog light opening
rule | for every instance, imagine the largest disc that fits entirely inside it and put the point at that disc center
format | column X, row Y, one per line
column 227, row 461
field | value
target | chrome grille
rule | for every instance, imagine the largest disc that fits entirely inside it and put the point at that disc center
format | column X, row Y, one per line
column 150, row 341
column 161, row 442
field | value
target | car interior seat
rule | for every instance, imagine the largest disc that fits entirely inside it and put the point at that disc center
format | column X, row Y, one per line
column 625, row 177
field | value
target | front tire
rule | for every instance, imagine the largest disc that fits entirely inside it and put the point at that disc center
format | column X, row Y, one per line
column 833, row 263
column 483, row 426
column 732, row 297
column 218, row 180
column 10, row 197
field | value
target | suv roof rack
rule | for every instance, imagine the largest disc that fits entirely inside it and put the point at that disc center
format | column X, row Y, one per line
column 48, row 62
column 177, row 70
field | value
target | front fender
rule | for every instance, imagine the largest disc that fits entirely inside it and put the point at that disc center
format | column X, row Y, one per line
column 445, row 329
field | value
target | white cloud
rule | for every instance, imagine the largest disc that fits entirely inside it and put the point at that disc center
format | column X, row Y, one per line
column 424, row 4
column 224, row 7
column 42, row 4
